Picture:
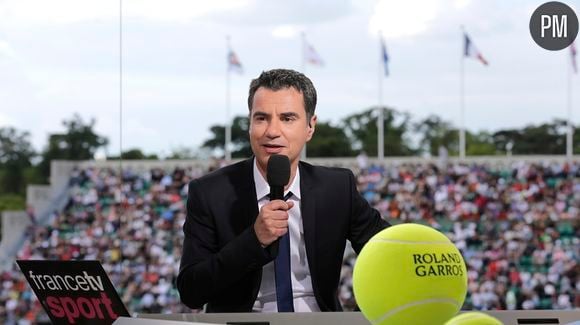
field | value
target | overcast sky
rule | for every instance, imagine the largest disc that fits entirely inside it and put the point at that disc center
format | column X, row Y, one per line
column 59, row 57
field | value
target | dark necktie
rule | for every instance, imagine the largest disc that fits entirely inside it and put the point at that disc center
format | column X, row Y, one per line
column 282, row 269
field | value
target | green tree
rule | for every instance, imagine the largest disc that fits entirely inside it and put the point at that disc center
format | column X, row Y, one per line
column 182, row 153
column 16, row 154
column 11, row 202
column 240, row 137
column 78, row 142
column 434, row 132
column 480, row 144
column 546, row 138
column 134, row 154
column 576, row 142
column 501, row 139
column 329, row 141
column 362, row 129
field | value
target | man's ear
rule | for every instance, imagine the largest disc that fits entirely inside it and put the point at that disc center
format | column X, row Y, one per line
column 311, row 127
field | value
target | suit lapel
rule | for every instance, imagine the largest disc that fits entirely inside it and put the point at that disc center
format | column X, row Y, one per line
column 252, row 207
column 248, row 207
column 308, row 210
column 246, row 194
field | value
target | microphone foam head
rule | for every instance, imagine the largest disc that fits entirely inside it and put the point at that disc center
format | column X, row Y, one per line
column 278, row 173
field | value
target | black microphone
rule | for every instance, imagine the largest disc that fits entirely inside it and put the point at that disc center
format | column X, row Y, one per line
column 278, row 175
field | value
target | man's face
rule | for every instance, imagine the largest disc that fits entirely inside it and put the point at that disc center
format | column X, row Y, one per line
column 278, row 125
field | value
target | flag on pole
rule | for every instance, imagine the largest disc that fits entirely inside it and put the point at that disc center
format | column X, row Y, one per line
column 573, row 57
column 385, row 56
column 311, row 56
column 471, row 51
column 234, row 63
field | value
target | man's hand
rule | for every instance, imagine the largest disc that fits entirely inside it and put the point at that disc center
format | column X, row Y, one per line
column 272, row 222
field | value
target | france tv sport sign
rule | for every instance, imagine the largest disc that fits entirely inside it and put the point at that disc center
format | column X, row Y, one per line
column 74, row 292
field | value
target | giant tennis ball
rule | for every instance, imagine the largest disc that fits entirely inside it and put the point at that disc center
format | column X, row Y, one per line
column 474, row 318
column 409, row 274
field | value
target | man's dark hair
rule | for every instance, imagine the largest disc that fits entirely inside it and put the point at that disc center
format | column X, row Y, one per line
column 278, row 79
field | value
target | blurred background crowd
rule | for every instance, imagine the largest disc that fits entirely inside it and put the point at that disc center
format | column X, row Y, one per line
column 517, row 226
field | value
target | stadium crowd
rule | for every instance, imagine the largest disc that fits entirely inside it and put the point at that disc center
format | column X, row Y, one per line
column 517, row 227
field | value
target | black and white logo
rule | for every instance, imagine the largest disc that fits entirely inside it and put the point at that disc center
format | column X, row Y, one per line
column 554, row 26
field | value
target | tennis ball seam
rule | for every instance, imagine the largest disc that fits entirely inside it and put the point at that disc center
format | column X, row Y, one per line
column 413, row 304
column 398, row 241
column 469, row 318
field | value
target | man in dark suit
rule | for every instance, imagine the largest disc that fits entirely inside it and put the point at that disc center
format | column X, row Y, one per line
column 228, row 262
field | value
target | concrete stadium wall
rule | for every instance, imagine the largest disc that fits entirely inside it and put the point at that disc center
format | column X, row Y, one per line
column 43, row 200
column 60, row 171
column 38, row 197
column 14, row 224
column 62, row 168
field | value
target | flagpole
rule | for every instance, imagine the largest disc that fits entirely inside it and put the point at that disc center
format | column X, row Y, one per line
column 303, row 69
column 462, row 99
column 303, row 56
column 570, row 129
column 380, row 118
column 228, row 140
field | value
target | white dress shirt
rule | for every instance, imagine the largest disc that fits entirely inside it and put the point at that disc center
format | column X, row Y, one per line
column 304, row 300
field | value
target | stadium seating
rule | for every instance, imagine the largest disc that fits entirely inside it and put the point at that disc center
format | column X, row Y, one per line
column 517, row 226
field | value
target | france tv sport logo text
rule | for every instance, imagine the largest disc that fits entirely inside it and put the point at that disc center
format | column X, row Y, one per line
column 73, row 307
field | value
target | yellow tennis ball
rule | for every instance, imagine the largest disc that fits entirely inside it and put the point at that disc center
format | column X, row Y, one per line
column 474, row 318
column 409, row 274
